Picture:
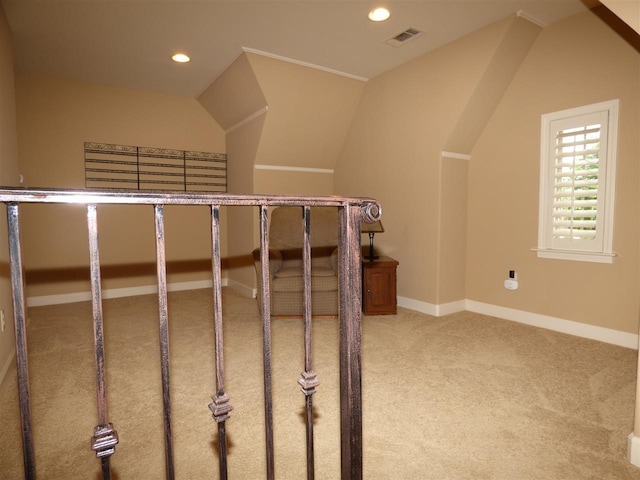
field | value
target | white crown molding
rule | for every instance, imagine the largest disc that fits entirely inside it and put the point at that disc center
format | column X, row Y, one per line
column 532, row 19
column 246, row 120
column 461, row 156
column 303, row 64
column 284, row 168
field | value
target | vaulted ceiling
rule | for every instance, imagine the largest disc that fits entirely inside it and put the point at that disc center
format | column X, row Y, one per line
column 129, row 43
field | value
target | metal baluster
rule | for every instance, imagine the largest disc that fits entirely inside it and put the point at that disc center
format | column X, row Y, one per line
column 350, row 314
column 19, row 315
column 308, row 381
column 105, row 438
column 220, row 407
column 164, row 339
column 266, row 340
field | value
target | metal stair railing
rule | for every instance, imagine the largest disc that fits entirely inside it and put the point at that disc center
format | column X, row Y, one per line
column 352, row 211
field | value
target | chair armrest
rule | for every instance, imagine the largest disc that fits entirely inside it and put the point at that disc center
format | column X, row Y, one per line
column 334, row 260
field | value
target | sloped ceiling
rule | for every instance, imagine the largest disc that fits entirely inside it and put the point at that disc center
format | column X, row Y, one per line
column 128, row 43
column 489, row 90
column 627, row 10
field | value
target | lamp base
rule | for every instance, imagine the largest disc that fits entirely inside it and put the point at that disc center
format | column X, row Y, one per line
column 371, row 256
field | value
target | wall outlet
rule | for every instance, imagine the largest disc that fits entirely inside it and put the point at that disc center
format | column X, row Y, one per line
column 2, row 322
column 511, row 284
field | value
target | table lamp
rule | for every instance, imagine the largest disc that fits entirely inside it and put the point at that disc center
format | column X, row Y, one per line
column 371, row 229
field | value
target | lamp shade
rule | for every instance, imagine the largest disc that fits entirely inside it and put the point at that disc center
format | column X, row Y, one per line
column 375, row 227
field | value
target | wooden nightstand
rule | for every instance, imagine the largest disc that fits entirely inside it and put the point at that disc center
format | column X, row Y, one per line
column 379, row 286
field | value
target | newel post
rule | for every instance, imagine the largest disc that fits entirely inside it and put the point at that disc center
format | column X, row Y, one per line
column 350, row 315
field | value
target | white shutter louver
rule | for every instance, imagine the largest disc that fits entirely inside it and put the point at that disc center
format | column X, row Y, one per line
column 575, row 188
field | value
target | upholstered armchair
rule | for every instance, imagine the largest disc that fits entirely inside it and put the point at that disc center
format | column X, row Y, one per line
column 285, row 262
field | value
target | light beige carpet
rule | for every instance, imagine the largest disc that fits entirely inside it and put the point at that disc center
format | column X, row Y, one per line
column 458, row 397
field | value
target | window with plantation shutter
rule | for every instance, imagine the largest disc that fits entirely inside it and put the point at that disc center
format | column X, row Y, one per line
column 577, row 181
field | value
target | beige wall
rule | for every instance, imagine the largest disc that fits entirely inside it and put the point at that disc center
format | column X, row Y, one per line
column 8, row 177
column 293, row 182
column 237, row 103
column 453, row 230
column 283, row 115
column 446, row 219
column 458, row 226
column 393, row 153
column 242, row 144
column 234, row 96
column 55, row 118
column 575, row 62
column 309, row 113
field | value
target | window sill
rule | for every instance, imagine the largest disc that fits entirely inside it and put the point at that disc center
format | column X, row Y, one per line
column 598, row 257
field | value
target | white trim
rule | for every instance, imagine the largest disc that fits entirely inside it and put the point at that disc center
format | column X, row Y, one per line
column 451, row 307
column 246, row 120
column 418, row 306
column 43, row 300
column 605, row 113
column 574, row 255
column 285, row 168
column 531, row 18
column 633, row 450
column 117, row 293
column 7, row 364
column 430, row 308
column 241, row 288
column 304, row 64
column 593, row 332
column 461, row 156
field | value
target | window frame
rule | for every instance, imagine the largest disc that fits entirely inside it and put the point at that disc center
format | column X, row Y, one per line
column 606, row 185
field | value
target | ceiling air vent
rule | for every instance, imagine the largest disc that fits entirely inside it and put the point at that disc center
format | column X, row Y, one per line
column 403, row 37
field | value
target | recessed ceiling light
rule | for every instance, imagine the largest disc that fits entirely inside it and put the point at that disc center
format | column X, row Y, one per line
column 379, row 14
column 180, row 58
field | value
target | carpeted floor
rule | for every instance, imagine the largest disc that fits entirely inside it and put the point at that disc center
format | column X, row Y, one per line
column 458, row 397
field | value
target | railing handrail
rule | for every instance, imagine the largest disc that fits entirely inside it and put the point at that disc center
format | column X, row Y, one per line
column 352, row 211
column 153, row 197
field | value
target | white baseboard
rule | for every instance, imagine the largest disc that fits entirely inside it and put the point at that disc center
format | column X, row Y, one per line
column 602, row 334
column 7, row 364
column 418, row 306
column 117, row 293
column 633, row 450
column 241, row 288
column 430, row 308
column 451, row 307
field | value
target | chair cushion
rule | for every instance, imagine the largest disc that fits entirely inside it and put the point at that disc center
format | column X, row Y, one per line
column 295, row 283
column 316, row 271
column 292, row 259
